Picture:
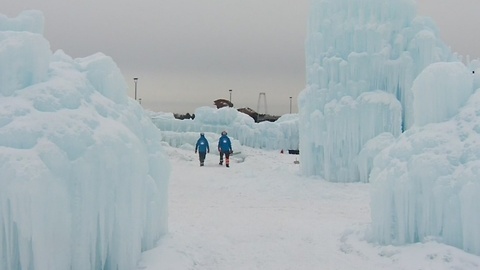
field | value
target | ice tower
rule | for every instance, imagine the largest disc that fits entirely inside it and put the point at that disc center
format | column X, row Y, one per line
column 362, row 57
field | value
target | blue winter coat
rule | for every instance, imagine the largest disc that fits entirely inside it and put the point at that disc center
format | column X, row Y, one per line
column 202, row 145
column 224, row 144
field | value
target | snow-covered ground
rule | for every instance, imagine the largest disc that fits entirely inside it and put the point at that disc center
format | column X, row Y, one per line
column 261, row 214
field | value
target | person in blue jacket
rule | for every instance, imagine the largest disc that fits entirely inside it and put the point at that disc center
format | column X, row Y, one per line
column 225, row 148
column 202, row 147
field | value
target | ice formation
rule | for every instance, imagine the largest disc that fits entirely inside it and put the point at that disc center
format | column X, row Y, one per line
column 369, row 151
column 387, row 102
column 426, row 184
column 83, row 176
column 281, row 134
column 356, row 49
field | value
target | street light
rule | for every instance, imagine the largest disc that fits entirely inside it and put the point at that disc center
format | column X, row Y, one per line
column 135, row 80
column 230, row 95
column 290, row 105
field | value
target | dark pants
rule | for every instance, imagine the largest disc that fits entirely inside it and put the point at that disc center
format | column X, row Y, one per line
column 201, row 156
column 227, row 157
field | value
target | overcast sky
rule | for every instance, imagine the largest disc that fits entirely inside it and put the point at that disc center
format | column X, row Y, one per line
column 187, row 53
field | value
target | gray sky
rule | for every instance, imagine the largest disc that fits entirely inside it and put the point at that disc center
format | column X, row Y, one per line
column 187, row 53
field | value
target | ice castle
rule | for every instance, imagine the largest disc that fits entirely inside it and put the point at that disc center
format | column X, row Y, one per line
column 387, row 102
column 83, row 175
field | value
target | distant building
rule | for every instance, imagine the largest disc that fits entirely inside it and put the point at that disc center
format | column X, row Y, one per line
column 220, row 103
column 258, row 117
column 249, row 112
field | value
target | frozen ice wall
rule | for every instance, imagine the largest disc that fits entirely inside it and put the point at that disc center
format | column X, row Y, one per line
column 82, row 174
column 281, row 134
column 362, row 58
column 426, row 184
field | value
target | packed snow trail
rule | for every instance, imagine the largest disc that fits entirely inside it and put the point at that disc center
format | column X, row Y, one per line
column 260, row 214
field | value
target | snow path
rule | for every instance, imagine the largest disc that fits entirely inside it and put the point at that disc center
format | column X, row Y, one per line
column 249, row 217
column 260, row 214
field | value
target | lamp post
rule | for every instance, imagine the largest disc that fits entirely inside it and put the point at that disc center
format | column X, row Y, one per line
column 135, row 80
column 230, row 95
column 290, row 105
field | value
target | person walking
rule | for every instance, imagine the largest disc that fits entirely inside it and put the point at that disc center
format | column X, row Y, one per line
column 225, row 148
column 203, row 148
